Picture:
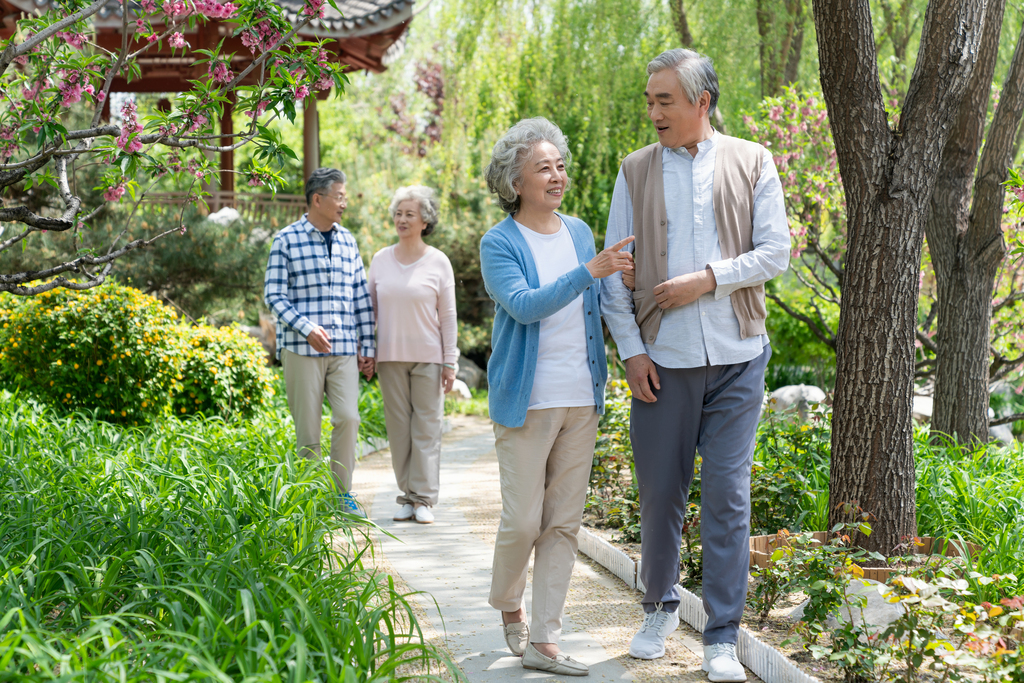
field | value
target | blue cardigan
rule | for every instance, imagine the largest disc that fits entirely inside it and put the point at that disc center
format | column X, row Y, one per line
column 510, row 276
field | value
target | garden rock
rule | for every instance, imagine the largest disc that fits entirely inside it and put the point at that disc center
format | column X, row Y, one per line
column 225, row 216
column 470, row 373
column 460, row 391
column 798, row 398
column 921, row 409
column 1003, row 434
column 877, row 612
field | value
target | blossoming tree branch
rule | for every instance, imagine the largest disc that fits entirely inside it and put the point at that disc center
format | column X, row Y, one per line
column 55, row 79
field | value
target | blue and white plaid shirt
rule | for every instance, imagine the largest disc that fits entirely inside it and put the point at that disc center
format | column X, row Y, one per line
column 305, row 287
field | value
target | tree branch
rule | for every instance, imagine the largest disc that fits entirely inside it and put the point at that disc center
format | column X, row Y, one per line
column 21, row 214
column 14, row 51
column 820, row 333
column 1006, row 420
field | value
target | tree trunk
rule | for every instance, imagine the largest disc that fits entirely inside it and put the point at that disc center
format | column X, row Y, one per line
column 780, row 43
column 967, row 248
column 888, row 177
column 681, row 24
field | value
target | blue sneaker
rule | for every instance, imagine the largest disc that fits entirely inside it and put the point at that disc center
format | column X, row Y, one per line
column 348, row 504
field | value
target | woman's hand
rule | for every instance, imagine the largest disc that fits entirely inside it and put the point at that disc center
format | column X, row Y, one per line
column 611, row 260
column 447, row 379
column 629, row 279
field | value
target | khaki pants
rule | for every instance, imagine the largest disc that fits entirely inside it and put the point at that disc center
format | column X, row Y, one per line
column 307, row 379
column 545, row 468
column 414, row 413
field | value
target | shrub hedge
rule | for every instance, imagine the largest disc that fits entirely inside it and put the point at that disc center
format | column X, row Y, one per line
column 124, row 355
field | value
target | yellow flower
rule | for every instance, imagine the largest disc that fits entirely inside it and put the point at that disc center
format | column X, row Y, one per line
column 59, row 362
column 76, row 366
column 68, row 395
column 99, row 362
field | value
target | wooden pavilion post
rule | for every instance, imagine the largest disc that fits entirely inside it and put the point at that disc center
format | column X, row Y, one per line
column 310, row 137
column 227, row 159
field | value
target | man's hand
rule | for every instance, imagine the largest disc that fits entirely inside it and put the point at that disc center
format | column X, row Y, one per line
column 319, row 340
column 367, row 366
column 629, row 279
column 684, row 289
column 447, row 379
column 638, row 370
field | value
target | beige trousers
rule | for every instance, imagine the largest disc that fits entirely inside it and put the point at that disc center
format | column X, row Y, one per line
column 544, row 467
column 414, row 414
column 306, row 380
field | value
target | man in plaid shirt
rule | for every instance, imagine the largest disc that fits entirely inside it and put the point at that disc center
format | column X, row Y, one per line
column 316, row 287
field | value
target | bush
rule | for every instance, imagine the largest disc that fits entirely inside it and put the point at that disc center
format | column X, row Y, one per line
column 124, row 355
column 223, row 373
column 112, row 349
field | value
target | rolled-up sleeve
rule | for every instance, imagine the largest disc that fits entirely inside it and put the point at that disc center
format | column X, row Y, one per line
column 616, row 298
column 770, row 255
column 363, row 310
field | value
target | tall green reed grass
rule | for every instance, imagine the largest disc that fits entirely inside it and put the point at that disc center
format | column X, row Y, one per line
column 196, row 550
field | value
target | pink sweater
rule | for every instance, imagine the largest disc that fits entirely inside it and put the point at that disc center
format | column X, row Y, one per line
column 415, row 308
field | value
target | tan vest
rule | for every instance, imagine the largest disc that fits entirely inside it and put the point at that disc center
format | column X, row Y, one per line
column 737, row 169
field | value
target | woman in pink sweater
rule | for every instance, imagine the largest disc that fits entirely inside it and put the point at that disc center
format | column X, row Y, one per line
column 412, row 287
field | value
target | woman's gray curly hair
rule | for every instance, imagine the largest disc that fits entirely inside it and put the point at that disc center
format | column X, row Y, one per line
column 512, row 152
column 430, row 207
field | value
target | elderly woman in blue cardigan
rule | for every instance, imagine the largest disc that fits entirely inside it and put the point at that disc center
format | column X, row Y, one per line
column 546, row 379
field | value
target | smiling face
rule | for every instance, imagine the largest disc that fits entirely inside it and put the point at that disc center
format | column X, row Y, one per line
column 330, row 204
column 679, row 122
column 544, row 179
column 409, row 219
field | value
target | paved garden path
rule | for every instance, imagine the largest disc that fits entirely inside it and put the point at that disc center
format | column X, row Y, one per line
column 450, row 561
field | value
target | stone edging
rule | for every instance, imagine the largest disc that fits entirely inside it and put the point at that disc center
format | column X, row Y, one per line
column 766, row 662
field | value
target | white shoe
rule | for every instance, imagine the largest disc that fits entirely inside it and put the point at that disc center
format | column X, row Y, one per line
column 721, row 664
column 424, row 515
column 649, row 641
column 405, row 513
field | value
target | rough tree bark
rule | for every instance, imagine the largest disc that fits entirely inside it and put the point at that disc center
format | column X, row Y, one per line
column 966, row 241
column 888, row 175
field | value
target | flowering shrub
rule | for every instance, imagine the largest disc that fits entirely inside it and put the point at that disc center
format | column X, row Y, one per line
column 123, row 354
column 223, row 373
column 795, row 129
column 113, row 350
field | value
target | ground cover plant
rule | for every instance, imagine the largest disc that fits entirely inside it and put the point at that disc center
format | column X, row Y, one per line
column 194, row 549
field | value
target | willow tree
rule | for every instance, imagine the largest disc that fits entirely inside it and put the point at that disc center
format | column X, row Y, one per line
column 889, row 170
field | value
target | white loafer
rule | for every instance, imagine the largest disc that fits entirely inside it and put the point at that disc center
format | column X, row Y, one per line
column 405, row 513
column 424, row 515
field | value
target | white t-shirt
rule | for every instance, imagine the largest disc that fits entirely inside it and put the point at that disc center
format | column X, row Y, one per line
column 562, row 379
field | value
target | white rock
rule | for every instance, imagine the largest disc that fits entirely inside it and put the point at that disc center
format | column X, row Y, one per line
column 798, row 397
column 460, row 391
column 877, row 612
column 225, row 216
column 922, row 408
column 1003, row 434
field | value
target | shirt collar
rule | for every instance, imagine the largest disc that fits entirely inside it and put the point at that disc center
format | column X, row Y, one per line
column 702, row 146
column 308, row 226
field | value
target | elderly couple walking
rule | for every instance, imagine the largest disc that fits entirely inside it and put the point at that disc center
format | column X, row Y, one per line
column 704, row 216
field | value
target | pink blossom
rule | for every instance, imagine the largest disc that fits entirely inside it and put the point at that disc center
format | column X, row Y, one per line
column 182, row 230
column 1019, row 191
column 216, row 10
column 301, row 92
column 324, row 83
column 148, row 5
column 176, row 8
column 21, row 61
column 75, row 40
column 100, row 96
column 114, row 194
column 198, row 121
column 255, row 182
column 221, row 73
column 177, row 40
column 314, row 8
column 775, row 113
column 127, row 141
column 140, row 25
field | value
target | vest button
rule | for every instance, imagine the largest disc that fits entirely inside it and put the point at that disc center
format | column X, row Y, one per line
column 663, row 222
column 662, row 252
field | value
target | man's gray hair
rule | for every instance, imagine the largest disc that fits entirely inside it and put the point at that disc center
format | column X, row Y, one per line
column 512, row 152
column 320, row 181
column 695, row 72
column 430, row 208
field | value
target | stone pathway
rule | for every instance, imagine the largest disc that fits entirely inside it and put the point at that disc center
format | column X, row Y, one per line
column 450, row 561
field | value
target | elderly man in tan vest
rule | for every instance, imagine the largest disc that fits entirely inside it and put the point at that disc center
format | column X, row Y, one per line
column 710, row 224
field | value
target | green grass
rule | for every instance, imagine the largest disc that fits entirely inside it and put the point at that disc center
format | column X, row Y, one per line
column 474, row 406
column 196, row 550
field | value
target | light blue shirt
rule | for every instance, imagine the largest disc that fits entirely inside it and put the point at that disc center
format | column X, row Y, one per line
column 705, row 332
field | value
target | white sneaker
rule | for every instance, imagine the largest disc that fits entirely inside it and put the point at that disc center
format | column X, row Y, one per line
column 721, row 664
column 424, row 515
column 405, row 513
column 649, row 641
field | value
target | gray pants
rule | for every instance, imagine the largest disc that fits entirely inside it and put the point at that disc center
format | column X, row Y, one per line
column 713, row 410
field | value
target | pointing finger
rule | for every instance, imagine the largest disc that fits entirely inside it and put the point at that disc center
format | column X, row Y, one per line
column 621, row 243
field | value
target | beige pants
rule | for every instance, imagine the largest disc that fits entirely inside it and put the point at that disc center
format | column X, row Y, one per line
column 307, row 379
column 414, row 413
column 545, row 468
